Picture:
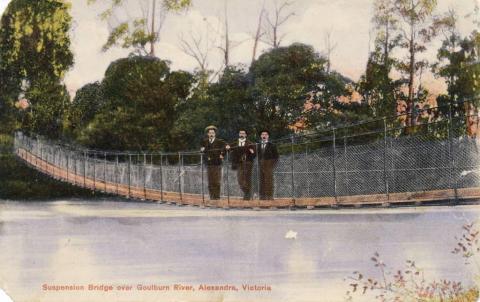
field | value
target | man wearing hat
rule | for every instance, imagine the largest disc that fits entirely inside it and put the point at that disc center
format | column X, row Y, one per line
column 268, row 158
column 214, row 149
column 243, row 155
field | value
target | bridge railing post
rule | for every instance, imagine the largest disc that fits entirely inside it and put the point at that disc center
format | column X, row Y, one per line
column 68, row 162
column 203, row 181
column 257, row 168
column 84, row 169
column 385, row 175
column 453, row 181
column 105, row 171
column 145, row 176
column 292, row 168
column 345, row 163
column 129, row 169
column 36, row 152
column 115, row 173
column 180, row 169
column 161, row 177
column 75, row 167
column 94, row 170
column 228, row 178
column 41, row 156
column 53, row 161
column 334, row 168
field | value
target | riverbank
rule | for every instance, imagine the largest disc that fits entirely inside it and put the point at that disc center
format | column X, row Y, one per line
column 19, row 182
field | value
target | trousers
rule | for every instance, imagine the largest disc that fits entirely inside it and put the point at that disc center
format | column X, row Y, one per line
column 214, row 173
column 266, row 178
column 244, row 177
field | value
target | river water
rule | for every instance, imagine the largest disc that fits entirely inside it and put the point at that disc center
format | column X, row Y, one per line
column 45, row 245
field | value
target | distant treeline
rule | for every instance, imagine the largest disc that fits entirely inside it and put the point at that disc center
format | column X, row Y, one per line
column 141, row 104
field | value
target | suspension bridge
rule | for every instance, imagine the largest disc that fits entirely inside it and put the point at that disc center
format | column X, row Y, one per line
column 438, row 163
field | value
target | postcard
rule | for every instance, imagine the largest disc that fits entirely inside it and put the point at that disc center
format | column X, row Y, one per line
column 229, row 150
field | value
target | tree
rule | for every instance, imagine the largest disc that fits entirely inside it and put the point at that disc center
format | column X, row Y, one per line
column 49, row 102
column 376, row 86
column 232, row 94
column 416, row 30
column 199, row 45
column 259, row 33
column 141, row 96
column 378, row 89
column 282, row 80
column 141, row 32
column 335, row 102
column 228, row 105
column 281, row 14
column 86, row 104
column 461, row 69
column 329, row 48
column 34, row 57
column 386, row 25
column 227, row 45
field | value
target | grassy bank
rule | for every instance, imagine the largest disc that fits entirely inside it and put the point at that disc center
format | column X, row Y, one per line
column 19, row 182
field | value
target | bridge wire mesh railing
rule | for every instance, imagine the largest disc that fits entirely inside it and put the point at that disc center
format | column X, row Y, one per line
column 379, row 157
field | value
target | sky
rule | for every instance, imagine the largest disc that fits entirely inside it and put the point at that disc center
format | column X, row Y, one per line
column 348, row 21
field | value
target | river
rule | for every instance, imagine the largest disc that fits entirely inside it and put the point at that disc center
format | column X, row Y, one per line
column 89, row 246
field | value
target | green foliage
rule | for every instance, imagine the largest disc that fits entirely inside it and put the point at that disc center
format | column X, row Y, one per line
column 49, row 101
column 140, row 95
column 87, row 102
column 177, row 5
column 34, row 38
column 376, row 86
column 19, row 182
column 332, row 112
column 417, row 29
column 188, row 128
column 281, row 81
column 231, row 95
column 271, row 95
column 34, row 57
column 138, row 32
column 458, row 64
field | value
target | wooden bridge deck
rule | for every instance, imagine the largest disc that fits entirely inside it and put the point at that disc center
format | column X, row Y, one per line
column 232, row 202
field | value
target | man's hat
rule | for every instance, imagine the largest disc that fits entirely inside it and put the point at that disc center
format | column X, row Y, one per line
column 264, row 130
column 211, row 127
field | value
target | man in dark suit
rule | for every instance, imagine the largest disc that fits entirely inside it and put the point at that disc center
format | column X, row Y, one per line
column 214, row 149
column 268, row 158
column 242, row 155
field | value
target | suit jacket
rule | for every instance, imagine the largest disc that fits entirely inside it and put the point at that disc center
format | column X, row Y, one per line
column 213, row 151
column 270, row 152
column 241, row 154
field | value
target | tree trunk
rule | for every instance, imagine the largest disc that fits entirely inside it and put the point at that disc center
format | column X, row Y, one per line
column 152, row 42
column 257, row 36
column 227, row 41
column 471, row 119
column 411, row 79
column 386, row 50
